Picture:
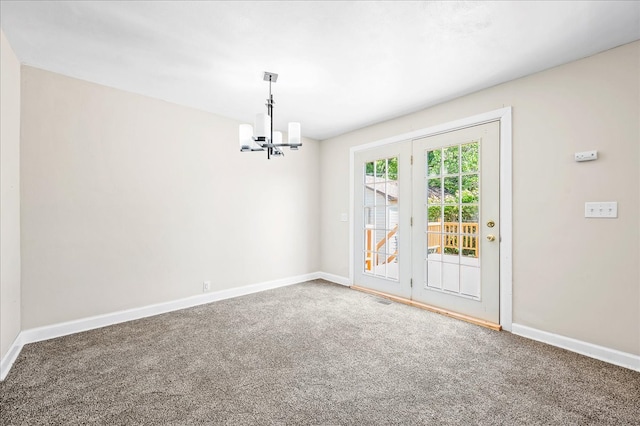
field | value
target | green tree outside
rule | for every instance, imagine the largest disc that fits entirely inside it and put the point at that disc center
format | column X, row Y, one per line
column 444, row 183
column 444, row 167
column 380, row 167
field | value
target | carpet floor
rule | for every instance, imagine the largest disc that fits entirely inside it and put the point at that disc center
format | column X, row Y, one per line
column 313, row 353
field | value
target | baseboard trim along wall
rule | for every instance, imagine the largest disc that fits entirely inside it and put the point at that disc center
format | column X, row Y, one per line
column 336, row 279
column 612, row 356
column 10, row 357
column 76, row 326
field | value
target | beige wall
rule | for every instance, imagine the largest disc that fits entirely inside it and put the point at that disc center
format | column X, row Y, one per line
column 9, row 196
column 573, row 276
column 129, row 201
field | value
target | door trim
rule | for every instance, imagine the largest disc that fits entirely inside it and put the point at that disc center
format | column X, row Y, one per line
column 503, row 115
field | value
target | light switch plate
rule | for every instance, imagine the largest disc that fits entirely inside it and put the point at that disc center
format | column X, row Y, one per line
column 601, row 209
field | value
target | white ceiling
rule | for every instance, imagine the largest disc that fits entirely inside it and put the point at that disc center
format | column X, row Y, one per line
column 341, row 65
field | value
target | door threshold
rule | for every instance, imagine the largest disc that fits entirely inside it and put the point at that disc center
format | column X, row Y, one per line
column 476, row 321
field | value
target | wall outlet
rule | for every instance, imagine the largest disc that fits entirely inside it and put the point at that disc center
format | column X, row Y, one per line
column 206, row 286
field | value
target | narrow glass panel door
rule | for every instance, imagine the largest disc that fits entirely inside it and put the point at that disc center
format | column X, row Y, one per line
column 381, row 233
column 382, row 209
column 456, row 239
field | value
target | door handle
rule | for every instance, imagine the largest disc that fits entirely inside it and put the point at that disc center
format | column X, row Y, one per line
column 491, row 237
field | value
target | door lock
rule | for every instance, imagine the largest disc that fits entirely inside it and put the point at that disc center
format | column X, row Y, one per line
column 491, row 224
column 491, row 237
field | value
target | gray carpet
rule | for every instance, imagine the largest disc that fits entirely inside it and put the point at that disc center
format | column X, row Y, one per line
column 313, row 353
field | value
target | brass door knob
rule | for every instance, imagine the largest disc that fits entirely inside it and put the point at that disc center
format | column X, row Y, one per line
column 491, row 237
column 491, row 224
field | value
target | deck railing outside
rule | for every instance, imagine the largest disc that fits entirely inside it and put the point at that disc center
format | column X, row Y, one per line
column 451, row 231
column 468, row 234
column 372, row 256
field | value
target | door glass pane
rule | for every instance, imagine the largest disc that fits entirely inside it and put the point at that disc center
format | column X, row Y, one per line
column 452, row 181
column 470, row 245
column 382, row 240
column 451, row 216
column 380, row 217
column 451, row 245
column 380, row 189
column 369, row 216
column 380, row 268
column 392, row 169
column 381, row 221
column 470, row 190
column 434, row 162
column 470, row 213
column 434, row 214
column 369, row 183
column 369, row 169
column 381, row 169
column 451, row 159
column 434, row 241
column 434, row 191
column 451, row 189
column 469, row 157
column 368, row 261
column 368, row 241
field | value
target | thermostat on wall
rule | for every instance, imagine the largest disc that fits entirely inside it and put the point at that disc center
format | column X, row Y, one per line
column 586, row 156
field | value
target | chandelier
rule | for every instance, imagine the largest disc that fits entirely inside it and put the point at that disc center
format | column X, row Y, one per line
column 262, row 137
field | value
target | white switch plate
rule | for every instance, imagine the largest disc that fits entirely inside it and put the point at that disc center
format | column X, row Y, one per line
column 601, row 209
column 344, row 217
column 586, row 156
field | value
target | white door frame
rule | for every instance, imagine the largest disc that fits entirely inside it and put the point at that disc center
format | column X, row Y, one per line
column 503, row 115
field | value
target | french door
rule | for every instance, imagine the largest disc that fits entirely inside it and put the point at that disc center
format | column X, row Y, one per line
column 427, row 220
column 456, row 232
column 382, row 219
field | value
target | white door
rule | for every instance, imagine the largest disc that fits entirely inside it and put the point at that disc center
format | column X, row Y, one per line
column 456, row 229
column 382, row 219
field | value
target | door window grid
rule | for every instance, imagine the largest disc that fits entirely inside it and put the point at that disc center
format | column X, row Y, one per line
column 381, row 227
column 452, row 178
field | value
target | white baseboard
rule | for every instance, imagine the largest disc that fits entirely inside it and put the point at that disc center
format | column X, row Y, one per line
column 336, row 279
column 90, row 323
column 612, row 356
column 84, row 324
column 602, row 353
column 10, row 357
